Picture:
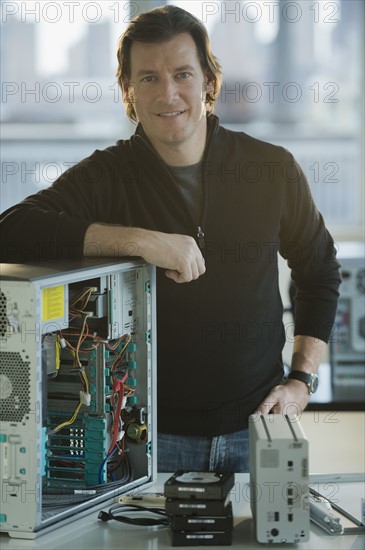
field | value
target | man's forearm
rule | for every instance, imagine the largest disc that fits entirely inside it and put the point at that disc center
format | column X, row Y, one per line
column 178, row 254
column 113, row 240
column 307, row 353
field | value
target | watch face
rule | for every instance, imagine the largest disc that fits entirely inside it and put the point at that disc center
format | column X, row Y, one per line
column 314, row 383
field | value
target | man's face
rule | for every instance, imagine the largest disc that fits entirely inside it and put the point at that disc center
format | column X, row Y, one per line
column 168, row 90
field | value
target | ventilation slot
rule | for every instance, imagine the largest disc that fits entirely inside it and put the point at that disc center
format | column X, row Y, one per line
column 3, row 318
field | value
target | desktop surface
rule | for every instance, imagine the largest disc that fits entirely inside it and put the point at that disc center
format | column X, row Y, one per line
column 336, row 445
column 91, row 533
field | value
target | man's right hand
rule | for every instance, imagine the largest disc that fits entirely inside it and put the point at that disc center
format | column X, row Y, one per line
column 178, row 254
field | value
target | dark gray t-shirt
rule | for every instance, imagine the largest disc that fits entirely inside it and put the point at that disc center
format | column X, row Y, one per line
column 189, row 180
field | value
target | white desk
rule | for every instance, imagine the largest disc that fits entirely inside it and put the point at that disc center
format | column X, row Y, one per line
column 336, row 444
column 89, row 533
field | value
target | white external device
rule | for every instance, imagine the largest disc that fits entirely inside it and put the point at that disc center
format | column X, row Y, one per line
column 279, row 490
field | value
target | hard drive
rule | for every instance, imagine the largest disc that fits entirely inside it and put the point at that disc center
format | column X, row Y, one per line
column 199, row 485
column 195, row 507
column 203, row 523
column 205, row 538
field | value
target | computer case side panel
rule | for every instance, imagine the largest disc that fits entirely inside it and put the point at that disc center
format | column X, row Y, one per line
column 21, row 433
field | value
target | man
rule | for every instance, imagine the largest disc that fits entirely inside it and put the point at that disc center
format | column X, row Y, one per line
column 211, row 208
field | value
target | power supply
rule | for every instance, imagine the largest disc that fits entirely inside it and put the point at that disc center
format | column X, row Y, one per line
column 78, row 388
column 279, row 490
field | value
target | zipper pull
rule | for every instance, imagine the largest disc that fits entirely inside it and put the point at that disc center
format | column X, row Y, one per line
column 200, row 235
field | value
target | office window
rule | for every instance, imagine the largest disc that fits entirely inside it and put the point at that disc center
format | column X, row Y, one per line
column 292, row 74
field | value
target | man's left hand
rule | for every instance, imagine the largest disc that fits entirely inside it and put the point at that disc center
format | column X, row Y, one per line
column 289, row 398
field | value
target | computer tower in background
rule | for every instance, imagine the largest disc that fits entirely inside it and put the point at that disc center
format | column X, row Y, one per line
column 347, row 345
column 78, row 389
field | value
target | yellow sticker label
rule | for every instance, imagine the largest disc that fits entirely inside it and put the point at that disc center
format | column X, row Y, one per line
column 53, row 306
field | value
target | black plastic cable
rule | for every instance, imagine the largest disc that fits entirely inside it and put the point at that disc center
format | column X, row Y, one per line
column 117, row 512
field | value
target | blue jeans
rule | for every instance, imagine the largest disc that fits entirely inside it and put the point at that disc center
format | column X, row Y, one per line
column 228, row 452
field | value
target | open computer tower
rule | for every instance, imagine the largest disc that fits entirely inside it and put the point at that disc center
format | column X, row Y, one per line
column 78, row 389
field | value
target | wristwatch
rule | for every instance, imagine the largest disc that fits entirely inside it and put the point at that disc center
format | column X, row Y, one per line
column 311, row 380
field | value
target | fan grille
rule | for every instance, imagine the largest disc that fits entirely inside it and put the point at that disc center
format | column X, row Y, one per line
column 15, row 387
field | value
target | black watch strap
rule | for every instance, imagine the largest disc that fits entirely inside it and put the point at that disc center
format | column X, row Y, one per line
column 311, row 380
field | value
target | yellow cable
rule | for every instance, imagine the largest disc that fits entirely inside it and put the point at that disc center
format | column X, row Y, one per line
column 68, row 422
